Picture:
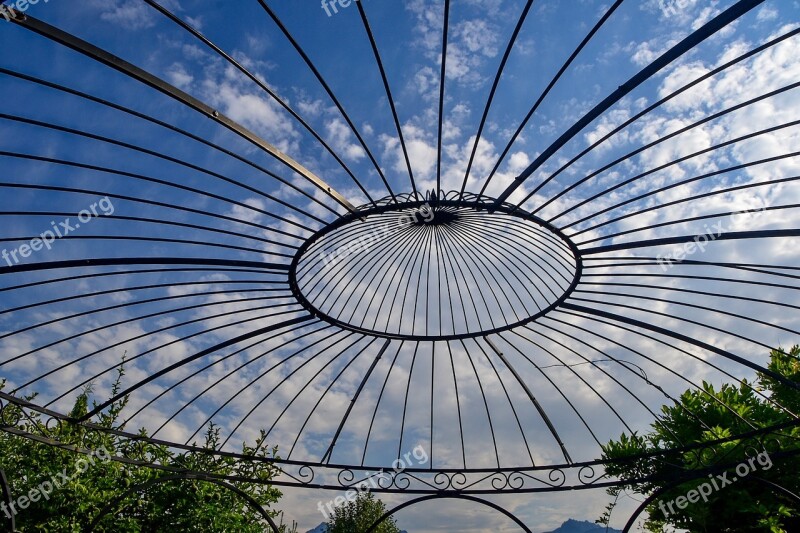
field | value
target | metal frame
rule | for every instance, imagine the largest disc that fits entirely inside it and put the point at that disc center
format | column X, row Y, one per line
column 610, row 290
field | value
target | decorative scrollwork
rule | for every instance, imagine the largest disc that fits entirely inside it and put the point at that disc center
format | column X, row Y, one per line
column 345, row 477
column 587, row 475
column 306, row 474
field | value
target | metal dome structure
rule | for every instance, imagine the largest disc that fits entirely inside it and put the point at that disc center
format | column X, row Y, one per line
column 507, row 322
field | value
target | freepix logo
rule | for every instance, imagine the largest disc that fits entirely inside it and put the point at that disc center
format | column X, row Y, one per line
column 330, row 6
column 12, row 9
column 425, row 213
column 716, row 483
column 58, row 231
column 674, row 7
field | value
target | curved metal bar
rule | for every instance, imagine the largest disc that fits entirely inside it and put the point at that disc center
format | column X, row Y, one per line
column 158, row 155
column 405, row 402
column 685, row 338
column 508, row 398
column 485, row 403
column 328, row 90
column 164, row 345
column 458, row 409
column 562, row 364
column 129, row 272
column 285, row 380
column 445, row 29
column 378, row 401
column 327, row 390
column 776, row 487
column 700, row 217
column 138, row 302
column 711, row 27
column 251, row 502
column 641, row 374
column 731, row 235
column 28, row 238
column 164, row 125
column 446, row 495
column 202, row 353
column 686, row 199
column 522, row 17
column 660, row 140
column 148, row 179
column 693, row 306
column 129, row 261
column 388, row 91
column 177, row 384
column 607, row 15
column 667, row 487
column 329, row 452
column 148, row 220
column 533, row 399
column 674, row 94
column 119, row 64
column 263, row 86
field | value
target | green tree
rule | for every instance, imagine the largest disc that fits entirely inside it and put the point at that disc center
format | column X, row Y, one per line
column 707, row 415
column 357, row 515
column 85, row 484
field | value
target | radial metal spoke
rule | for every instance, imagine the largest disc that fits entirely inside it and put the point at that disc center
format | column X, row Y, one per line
column 442, row 77
column 331, row 95
column 170, row 90
column 492, row 91
column 711, row 27
column 589, row 36
column 389, row 96
column 263, row 86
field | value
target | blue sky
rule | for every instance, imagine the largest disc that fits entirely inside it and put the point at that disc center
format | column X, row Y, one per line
column 265, row 220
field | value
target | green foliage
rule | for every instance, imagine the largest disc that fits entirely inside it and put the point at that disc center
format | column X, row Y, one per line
column 86, row 487
column 707, row 415
column 357, row 515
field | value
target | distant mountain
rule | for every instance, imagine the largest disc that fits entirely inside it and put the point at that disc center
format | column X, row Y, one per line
column 574, row 526
column 570, row 526
column 323, row 528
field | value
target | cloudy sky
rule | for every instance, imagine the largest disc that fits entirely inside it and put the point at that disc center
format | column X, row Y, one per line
column 166, row 181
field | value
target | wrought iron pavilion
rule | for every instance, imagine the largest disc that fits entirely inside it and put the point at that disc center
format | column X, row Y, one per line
column 504, row 331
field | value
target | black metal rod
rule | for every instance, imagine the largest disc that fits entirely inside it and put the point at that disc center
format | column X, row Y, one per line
column 170, row 90
column 389, row 96
column 353, row 401
column 711, row 27
column 443, row 71
column 532, row 398
column 331, row 95
column 607, row 15
column 263, row 86
column 186, row 360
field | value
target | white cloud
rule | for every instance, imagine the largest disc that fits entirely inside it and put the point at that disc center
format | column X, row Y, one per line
column 340, row 136
column 130, row 15
column 767, row 13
